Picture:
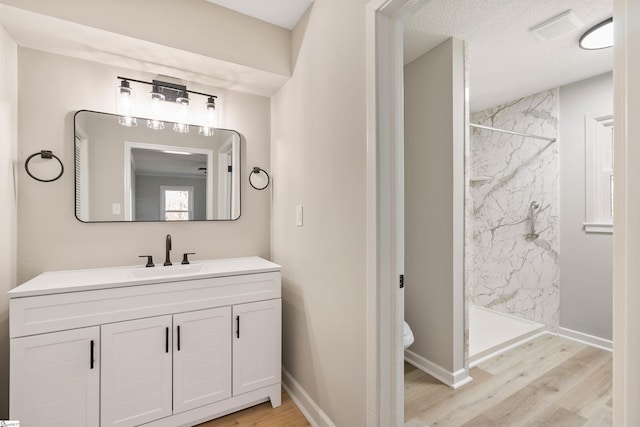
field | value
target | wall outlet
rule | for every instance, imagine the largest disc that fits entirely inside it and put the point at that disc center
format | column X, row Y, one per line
column 299, row 215
column 115, row 208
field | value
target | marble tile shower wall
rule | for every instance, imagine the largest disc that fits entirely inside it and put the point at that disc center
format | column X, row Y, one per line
column 507, row 271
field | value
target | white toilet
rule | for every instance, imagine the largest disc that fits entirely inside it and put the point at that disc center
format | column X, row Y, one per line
column 407, row 335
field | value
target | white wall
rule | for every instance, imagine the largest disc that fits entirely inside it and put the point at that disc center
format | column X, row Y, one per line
column 191, row 25
column 434, row 203
column 8, row 207
column 319, row 161
column 51, row 89
column 586, row 258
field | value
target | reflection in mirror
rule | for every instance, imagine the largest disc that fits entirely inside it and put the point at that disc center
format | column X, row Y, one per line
column 143, row 174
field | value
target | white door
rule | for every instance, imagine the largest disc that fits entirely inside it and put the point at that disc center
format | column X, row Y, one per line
column 136, row 371
column 257, row 332
column 55, row 379
column 201, row 358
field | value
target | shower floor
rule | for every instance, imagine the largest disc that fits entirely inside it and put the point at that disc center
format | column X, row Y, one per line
column 491, row 331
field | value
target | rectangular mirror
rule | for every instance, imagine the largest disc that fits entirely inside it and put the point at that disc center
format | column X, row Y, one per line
column 137, row 173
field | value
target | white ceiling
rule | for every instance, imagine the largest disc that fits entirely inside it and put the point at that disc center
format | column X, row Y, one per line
column 506, row 61
column 283, row 13
column 158, row 163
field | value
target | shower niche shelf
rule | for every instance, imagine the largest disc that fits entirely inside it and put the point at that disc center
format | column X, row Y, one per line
column 480, row 179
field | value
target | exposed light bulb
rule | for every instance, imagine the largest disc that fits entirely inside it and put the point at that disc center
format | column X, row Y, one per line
column 124, row 102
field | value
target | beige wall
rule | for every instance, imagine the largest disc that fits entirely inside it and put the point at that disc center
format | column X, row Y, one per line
column 8, row 212
column 51, row 89
column 319, row 161
column 434, row 154
column 191, row 25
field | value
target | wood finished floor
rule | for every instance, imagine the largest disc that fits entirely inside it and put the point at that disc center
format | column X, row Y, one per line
column 549, row 381
column 263, row 415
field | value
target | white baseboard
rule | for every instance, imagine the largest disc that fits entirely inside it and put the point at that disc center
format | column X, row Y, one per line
column 304, row 402
column 452, row 379
column 475, row 361
column 591, row 340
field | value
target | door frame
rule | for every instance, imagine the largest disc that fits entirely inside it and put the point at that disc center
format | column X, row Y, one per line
column 385, row 202
column 385, row 208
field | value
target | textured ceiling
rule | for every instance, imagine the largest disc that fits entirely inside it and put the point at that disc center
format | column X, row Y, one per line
column 283, row 13
column 506, row 61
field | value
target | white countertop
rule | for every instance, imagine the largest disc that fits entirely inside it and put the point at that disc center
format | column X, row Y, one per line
column 56, row 282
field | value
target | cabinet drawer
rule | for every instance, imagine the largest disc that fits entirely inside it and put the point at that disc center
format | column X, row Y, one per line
column 47, row 313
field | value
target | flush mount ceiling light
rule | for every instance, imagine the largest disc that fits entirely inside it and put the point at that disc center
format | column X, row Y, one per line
column 599, row 36
column 162, row 92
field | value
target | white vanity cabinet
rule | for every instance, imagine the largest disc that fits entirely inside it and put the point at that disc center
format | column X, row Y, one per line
column 150, row 349
column 136, row 371
column 256, row 347
column 54, row 380
column 201, row 358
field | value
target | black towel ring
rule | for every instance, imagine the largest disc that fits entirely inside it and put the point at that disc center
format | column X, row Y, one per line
column 45, row 154
column 258, row 170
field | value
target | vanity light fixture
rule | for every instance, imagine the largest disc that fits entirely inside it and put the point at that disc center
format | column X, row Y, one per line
column 124, row 103
column 162, row 92
column 599, row 36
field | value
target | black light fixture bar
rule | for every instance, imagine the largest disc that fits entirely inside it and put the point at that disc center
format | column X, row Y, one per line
column 171, row 91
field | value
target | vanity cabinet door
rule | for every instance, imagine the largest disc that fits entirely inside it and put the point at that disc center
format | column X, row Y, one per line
column 55, row 380
column 136, row 371
column 201, row 358
column 257, row 333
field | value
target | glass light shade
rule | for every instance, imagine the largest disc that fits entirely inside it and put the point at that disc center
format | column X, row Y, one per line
column 181, row 125
column 211, row 119
column 124, row 105
column 155, row 110
column 155, row 124
column 207, row 131
column 599, row 36
column 181, row 128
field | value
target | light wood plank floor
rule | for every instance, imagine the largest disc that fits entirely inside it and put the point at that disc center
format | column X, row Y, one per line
column 548, row 381
column 263, row 415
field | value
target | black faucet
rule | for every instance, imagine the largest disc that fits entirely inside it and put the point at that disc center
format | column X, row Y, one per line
column 167, row 261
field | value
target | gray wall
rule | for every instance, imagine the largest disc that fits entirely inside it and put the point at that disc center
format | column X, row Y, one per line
column 8, row 208
column 148, row 195
column 586, row 258
column 434, row 203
